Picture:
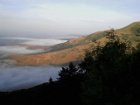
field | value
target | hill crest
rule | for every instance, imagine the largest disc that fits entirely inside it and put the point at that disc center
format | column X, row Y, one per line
column 75, row 49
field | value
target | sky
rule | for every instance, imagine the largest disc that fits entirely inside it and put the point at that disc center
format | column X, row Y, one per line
column 64, row 18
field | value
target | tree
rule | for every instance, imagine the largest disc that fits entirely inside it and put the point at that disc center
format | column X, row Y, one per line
column 69, row 73
column 50, row 80
column 70, row 79
column 107, row 73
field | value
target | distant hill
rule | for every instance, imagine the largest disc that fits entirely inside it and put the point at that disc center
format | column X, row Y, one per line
column 75, row 49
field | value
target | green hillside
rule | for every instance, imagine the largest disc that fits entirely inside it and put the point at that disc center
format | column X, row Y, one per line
column 131, row 32
column 133, row 28
column 79, row 41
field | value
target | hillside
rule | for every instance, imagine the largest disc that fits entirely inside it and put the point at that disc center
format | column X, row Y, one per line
column 75, row 49
column 54, row 58
column 131, row 32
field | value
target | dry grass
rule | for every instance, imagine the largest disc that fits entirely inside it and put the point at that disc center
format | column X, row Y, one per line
column 55, row 58
column 78, row 49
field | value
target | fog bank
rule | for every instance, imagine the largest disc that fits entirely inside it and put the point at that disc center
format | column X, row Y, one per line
column 14, row 78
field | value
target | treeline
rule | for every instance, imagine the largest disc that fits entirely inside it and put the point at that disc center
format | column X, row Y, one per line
column 108, row 75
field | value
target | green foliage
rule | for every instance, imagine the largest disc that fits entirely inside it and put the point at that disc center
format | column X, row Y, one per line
column 95, row 36
column 68, row 72
column 71, row 74
column 137, row 31
column 111, row 77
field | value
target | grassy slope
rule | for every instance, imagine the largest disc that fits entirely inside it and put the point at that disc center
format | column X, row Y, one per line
column 131, row 32
column 55, row 58
column 74, row 49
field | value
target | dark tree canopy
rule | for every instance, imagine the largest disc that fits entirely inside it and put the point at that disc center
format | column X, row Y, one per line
column 112, row 74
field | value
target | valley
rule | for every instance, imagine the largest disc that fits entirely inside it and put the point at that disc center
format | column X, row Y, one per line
column 30, row 62
column 74, row 50
column 15, row 77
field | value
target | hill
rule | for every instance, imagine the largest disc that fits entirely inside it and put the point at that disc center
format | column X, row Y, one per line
column 131, row 32
column 75, row 49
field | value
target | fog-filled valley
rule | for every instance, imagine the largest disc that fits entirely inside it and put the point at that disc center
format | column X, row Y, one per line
column 14, row 77
column 20, row 45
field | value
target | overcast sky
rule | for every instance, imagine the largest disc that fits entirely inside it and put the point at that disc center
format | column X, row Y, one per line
column 64, row 18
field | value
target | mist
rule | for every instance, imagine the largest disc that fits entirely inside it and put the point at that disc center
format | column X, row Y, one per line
column 15, row 78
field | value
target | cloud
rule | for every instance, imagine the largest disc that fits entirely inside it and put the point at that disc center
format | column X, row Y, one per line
column 55, row 17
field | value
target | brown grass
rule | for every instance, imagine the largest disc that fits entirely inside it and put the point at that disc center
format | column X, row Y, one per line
column 55, row 58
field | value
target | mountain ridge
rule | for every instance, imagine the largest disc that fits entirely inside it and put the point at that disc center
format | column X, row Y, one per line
column 74, row 50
